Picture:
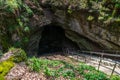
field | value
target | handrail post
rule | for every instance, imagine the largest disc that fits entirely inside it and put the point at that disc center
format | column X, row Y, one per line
column 77, row 57
column 67, row 51
column 116, row 54
column 90, row 55
column 113, row 69
column 100, row 62
column 85, row 59
column 114, row 66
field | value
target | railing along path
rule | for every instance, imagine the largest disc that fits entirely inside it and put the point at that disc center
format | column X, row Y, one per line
column 108, row 59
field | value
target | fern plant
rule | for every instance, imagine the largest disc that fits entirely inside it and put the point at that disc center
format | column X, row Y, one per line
column 34, row 64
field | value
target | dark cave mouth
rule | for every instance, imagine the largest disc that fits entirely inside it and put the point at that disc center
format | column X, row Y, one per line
column 54, row 40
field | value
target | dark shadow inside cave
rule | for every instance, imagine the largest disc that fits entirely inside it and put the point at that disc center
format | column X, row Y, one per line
column 54, row 40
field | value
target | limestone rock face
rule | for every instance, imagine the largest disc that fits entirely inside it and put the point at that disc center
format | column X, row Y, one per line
column 80, row 25
column 89, row 35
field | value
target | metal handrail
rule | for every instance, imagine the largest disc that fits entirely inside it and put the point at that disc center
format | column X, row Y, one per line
column 102, row 56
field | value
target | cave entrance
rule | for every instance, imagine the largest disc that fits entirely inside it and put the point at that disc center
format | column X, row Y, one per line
column 54, row 40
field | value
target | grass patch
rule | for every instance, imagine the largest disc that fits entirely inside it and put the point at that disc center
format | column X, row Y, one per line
column 115, row 77
column 53, row 69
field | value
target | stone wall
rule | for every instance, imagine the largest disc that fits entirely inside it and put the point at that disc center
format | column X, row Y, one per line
column 89, row 35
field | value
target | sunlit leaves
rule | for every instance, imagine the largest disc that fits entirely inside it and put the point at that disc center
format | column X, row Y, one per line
column 26, row 29
column 90, row 18
column 29, row 11
column 13, row 4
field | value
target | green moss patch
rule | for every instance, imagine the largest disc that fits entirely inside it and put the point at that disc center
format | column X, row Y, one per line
column 5, row 67
column 19, row 55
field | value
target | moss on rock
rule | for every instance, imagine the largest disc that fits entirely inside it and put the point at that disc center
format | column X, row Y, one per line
column 5, row 67
column 15, row 55
column 19, row 55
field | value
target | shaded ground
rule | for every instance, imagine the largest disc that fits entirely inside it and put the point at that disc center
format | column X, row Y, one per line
column 21, row 71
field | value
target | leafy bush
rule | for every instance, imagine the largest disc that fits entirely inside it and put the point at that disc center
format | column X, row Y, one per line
column 37, row 64
column 86, row 67
column 19, row 55
column 95, row 75
column 34, row 64
column 13, row 4
column 68, row 65
column 115, row 77
column 90, row 73
column 54, row 63
column 68, row 73
column 14, row 20
column 82, row 67
column 48, row 72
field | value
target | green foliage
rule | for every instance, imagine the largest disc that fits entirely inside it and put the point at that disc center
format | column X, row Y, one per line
column 19, row 55
column 67, row 70
column 104, row 9
column 115, row 77
column 86, row 67
column 67, row 65
column 2, row 77
column 16, row 15
column 90, row 18
column 69, row 73
column 54, row 63
column 90, row 73
column 95, row 75
column 5, row 67
column 14, row 20
column 29, row 11
column 48, row 72
column 12, row 5
column 69, row 11
column 82, row 67
column 34, row 64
